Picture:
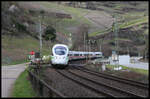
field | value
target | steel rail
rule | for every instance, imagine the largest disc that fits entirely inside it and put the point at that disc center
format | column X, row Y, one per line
column 113, row 88
column 85, row 85
column 123, row 80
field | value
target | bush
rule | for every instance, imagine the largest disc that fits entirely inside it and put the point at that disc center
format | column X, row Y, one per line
column 49, row 34
column 20, row 27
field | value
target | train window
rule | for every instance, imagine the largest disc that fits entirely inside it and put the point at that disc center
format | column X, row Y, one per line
column 86, row 54
column 69, row 54
column 76, row 54
column 89, row 54
column 59, row 50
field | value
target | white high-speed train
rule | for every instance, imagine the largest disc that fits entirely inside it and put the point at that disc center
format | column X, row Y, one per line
column 62, row 55
column 73, row 55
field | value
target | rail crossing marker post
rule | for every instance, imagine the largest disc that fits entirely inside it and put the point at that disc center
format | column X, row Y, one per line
column 103, row 66
column 115, row 59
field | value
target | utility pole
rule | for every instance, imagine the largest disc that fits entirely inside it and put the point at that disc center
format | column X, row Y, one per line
column 145, row 55
column 145, row 47
column 116, row 41
column 99, row 41
column 116, row 35
column 84, row 41
column 100, row 48
column 86, row 50
column 70, row 40
column 85, row 44
column 40, row 33
column 89, row 48
column 128, row 50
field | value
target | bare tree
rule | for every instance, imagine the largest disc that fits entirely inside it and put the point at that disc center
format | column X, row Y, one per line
column 90, row 5
column 80, row 37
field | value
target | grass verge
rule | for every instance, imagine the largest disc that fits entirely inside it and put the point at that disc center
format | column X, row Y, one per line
column 141, row 71
column 23, row 87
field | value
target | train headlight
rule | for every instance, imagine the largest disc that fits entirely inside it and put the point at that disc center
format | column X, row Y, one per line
column 52, row 57
column 67, row 58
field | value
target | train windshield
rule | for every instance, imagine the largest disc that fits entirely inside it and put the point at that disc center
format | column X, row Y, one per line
column 59, row 50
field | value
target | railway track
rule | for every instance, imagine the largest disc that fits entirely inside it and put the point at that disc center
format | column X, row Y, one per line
column 137, row 88
column 83, row 84
column 95, row 86
column 115, row 78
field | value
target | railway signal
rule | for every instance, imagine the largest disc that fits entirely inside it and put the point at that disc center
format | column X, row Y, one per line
column 32, row 53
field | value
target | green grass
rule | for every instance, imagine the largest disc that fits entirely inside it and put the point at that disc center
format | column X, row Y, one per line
column 122, row 26
column 146, row 31
column 22, row 87
column 78, row 17
column 76, row 13
column 27, row 43
column 141, row 71
column 62, row 25
column 119, row 39
column 134, row 22
column 128, row 19
column 16, row 50
column 17, row 62
column 100, row 32
column 134, row 15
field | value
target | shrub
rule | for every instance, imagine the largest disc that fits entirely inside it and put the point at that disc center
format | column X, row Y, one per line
column 49, row 34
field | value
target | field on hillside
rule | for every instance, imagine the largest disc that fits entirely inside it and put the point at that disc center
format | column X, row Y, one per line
column 16, row 50
column 132, row 20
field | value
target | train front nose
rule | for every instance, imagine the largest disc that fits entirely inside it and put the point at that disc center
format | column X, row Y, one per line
column 60, row 60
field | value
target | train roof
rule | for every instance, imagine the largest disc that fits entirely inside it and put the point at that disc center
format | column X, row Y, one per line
column 81, row 52
column 60, row 45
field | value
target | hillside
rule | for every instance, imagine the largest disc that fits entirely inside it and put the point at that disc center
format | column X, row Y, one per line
column 19, row 34
column 20, row 21
column 132, row 25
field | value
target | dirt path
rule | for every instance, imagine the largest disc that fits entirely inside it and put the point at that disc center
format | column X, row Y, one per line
column 8, row 76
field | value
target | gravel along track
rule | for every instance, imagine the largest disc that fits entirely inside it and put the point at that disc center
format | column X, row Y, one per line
column 142, row 92
column 123, row 80
column 67, row 87
column 98, row 87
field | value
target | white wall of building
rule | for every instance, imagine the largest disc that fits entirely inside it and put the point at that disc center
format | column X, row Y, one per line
column 124, row 59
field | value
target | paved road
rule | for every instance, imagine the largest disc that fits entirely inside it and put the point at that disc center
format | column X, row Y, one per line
column 140, row 65
column 8, row 77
